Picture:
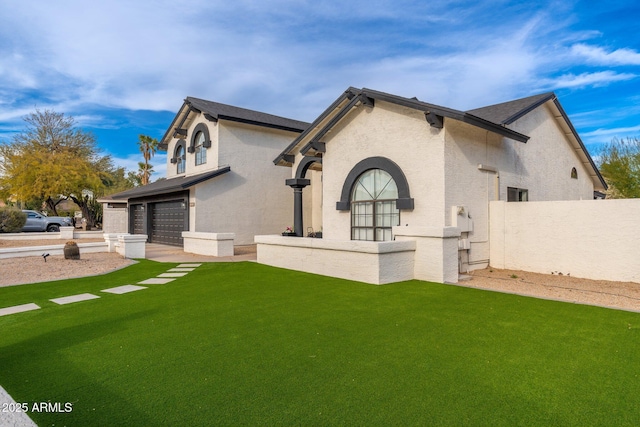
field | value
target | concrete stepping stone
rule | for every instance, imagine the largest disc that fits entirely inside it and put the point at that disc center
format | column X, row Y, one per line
column 155, row 281
column 188, row 265
column 18, row 309
column 172, row 274
column 74, row 298
column 179, row 270
column 123, row 289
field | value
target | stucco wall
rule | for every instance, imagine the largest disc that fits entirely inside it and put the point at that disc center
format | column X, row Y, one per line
column 212, row 152
column 399, row 134
column 370, row 262
column 252, row 198
column 114, row 220
column 542, row 166
column 594, row 239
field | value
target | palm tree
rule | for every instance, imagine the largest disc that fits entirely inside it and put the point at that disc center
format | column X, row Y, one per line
column 144, row 172
column 148, row 147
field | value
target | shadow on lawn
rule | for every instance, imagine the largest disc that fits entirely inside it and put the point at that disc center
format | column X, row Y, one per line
column 31, row 374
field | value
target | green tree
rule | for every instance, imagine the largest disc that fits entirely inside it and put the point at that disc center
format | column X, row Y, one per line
column 620, row 167
column 148, row 147
column 52, row 160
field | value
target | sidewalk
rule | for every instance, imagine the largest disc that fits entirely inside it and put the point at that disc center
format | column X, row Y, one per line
column 166, row 253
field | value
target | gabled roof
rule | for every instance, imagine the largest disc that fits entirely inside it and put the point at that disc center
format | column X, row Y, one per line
column 215, row 111
column 165, row 186
column 352, row 97
column 506, row 113
column 494, row 118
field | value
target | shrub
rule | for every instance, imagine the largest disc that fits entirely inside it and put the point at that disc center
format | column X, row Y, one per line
column 11, row 220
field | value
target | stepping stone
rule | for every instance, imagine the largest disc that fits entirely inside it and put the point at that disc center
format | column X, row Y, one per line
column 188, row 265
column 18, row 309
column 172, row 274
column 155, row 281
column 123, row 289
column 74, row 298
column 181, row 269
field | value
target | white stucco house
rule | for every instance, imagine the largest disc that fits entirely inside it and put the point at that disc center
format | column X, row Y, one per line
column 221, row 187
column 401, row 188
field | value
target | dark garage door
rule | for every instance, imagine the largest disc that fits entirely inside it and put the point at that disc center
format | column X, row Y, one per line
column 168, row 222
column 138, row 219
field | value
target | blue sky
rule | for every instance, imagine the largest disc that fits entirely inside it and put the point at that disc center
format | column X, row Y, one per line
column 123, row 68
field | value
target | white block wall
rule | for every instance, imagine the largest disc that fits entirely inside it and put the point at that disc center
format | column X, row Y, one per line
column 594, row 239
column 370, row 262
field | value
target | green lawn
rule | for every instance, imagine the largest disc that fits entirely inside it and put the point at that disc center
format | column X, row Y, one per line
column 247, row 344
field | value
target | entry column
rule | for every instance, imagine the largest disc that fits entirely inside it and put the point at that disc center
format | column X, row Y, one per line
column 297, row 184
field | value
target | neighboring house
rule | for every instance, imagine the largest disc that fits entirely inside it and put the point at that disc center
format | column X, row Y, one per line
column 401, row 188
column 220, row 179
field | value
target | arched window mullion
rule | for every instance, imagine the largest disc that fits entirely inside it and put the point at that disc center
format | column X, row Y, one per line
column 373, row 218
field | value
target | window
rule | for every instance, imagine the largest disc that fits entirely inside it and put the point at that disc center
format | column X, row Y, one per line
column 574, row 173
column 201, row 151
column 517, row 194
column 180, row 159
column 373, row 206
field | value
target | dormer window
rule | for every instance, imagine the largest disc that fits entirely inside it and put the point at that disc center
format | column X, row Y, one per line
column 201, row 151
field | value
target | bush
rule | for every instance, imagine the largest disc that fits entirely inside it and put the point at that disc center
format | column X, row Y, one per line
column 12, row 220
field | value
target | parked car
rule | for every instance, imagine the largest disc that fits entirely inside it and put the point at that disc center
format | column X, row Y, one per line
column 39, row 222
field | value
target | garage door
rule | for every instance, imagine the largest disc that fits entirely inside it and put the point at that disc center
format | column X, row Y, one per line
column 167, row 222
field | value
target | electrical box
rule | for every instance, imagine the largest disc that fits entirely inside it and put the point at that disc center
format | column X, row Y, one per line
column 460, row 218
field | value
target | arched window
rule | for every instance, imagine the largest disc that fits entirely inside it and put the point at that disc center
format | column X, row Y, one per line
column 180, row 159
column 574, row 173
column 201, row 151
column 373, row 206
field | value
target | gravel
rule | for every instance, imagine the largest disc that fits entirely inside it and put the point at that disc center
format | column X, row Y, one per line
column 17, row 271
column 604, row 293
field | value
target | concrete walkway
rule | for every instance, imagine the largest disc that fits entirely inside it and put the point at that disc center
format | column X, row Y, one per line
column 166, row 253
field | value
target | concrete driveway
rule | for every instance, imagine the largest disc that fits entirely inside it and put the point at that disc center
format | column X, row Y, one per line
column 166, row 253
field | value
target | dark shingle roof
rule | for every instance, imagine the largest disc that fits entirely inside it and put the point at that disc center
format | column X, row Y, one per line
column 165, row 186
column 356, row 95
column 507, row 112
column 229, row 112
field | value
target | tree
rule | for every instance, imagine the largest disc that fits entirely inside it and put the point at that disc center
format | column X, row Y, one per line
column 148, row 146
column 52, row 160
column 144, row 172
column 620, row 167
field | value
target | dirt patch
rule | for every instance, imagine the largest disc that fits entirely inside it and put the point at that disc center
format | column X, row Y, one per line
column 16, row 271
column 621, row 295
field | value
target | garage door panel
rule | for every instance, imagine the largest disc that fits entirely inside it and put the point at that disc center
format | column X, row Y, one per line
column 138, row 219
column 168, row 222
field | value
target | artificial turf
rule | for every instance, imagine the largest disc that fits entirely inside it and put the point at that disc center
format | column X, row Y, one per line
column 247, row 344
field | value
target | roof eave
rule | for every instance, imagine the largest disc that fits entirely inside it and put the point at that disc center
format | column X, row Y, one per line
column 284, row 158
column 582, row 146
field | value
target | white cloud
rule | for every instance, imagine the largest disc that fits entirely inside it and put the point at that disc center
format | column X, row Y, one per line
column 596, row 79
column 599, row 56
column 288, row 57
